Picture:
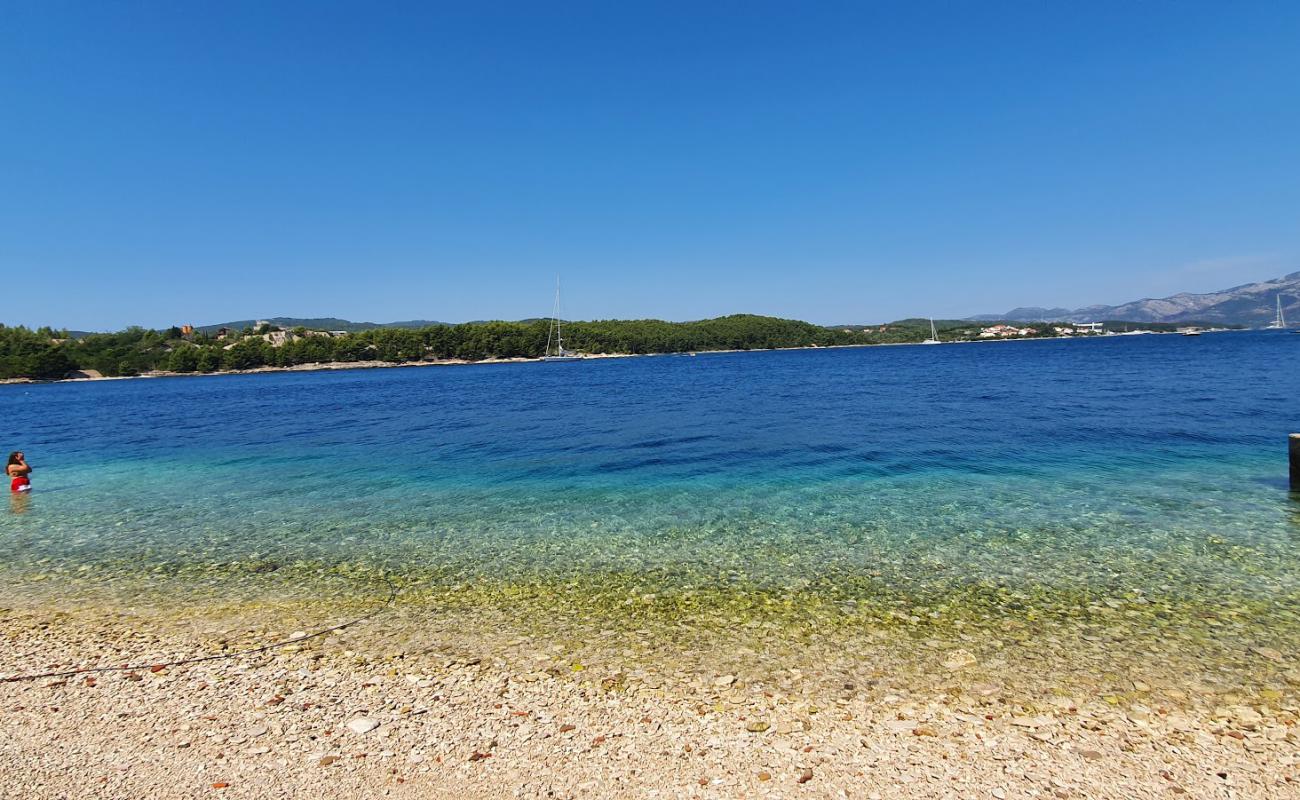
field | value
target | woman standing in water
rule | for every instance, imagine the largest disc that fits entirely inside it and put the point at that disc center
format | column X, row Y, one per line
column 17, row 470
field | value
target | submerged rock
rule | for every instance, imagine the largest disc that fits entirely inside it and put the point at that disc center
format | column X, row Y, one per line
column 1267, row 652
column 959, row 659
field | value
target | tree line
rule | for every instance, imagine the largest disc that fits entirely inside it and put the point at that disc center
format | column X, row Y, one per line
column 46, row 354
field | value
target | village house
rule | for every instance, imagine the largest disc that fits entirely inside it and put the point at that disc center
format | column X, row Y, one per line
column 1004, row 332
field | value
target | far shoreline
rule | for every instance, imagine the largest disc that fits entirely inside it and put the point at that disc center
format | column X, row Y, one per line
column 329, row 366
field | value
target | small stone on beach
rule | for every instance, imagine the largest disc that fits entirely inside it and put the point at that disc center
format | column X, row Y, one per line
column 362, row 725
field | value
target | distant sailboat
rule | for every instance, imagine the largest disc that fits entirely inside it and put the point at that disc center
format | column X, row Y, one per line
column 553, row 332
column 1279, row 323
column 934, row 336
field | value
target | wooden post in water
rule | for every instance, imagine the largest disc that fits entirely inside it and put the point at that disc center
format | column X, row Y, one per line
column 1295, row 462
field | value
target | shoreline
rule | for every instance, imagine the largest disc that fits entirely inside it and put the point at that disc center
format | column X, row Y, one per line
column 315, row 366
column 337, row 716
column 459, row 362
column 521, row 628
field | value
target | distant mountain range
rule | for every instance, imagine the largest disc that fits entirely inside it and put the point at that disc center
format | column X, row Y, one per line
column 1251, row 304
column 1248, row 304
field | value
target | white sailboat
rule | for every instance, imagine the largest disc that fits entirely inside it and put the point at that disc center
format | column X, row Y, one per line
column 554, row 332
column 934, row 336
column 1279, row 323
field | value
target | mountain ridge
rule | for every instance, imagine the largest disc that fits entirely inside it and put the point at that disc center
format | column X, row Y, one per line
column 1245, row 304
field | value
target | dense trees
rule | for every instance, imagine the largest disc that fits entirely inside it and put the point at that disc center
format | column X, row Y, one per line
column 33, row 354
column 46, row 354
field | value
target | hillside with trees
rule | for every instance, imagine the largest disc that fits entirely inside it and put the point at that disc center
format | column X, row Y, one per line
column 45, row 354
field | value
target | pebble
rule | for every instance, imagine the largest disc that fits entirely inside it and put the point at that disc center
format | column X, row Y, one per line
column 1244, row 716
column 362, row 725
column 1267, row 652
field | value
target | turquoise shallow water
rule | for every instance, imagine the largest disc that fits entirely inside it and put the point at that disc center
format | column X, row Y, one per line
column 1130, row 484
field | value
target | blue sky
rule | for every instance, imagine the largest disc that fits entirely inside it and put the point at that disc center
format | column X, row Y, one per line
column 171, row 162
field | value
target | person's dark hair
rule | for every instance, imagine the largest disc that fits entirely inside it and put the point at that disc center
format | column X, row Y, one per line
column 13, row 457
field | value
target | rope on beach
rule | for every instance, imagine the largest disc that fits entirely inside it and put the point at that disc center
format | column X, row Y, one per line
column 392, row 595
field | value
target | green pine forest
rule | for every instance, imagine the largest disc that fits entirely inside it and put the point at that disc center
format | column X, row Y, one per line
column 45, row 354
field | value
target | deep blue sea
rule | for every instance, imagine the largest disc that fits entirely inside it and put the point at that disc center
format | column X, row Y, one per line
column 967, row 485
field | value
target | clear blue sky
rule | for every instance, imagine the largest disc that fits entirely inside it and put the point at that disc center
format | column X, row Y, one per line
column 170, row 162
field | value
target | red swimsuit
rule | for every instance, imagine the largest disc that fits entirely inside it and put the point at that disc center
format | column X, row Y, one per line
column 20, row 484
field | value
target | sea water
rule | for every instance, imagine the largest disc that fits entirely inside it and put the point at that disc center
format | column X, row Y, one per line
column 1083, row 510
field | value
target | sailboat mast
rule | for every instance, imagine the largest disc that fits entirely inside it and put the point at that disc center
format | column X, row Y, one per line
column 550, row 328
column 559, row 336
column 1279, row 321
